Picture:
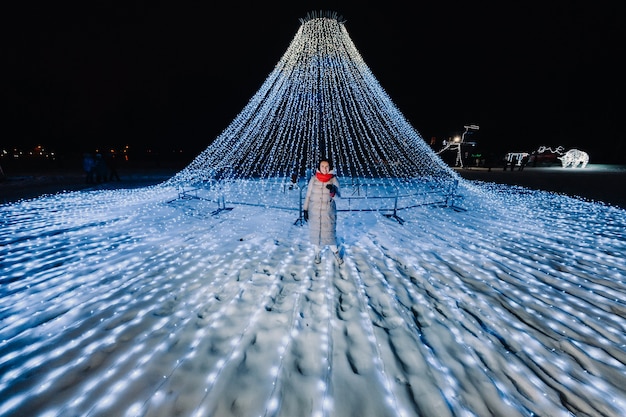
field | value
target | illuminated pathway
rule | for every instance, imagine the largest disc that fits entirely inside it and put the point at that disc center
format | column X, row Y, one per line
column 124, row 303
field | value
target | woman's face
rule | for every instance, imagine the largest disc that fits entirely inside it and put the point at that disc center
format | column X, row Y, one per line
column 324, row 167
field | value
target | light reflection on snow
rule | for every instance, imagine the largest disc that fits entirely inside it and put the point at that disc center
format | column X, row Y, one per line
column 109, row 300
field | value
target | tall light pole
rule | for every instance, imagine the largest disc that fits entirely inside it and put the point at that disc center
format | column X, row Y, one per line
column 459, row 156
column 456, row 143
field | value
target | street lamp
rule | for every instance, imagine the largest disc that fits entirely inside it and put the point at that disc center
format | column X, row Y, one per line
column 459, row 158
column 456, row 144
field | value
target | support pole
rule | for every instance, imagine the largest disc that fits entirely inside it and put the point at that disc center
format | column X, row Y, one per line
column 300, row 220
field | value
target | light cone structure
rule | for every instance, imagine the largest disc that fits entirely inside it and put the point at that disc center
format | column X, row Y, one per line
column 320, row 101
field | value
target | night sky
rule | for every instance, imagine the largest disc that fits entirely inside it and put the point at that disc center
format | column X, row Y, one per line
column 173, row 75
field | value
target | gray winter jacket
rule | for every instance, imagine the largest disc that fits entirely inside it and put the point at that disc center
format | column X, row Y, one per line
column 322, row 211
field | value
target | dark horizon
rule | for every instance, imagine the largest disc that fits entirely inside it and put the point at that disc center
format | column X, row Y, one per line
column 173, row 77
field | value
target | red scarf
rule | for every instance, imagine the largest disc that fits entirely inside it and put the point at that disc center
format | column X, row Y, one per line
column 323, row 177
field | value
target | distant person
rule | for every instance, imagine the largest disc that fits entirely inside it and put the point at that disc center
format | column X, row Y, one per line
column 320, row 210
column 111, row 164
column 294, row 181
column 523, row 162
column 489, row 161
column 89, row 165
column 100, row 169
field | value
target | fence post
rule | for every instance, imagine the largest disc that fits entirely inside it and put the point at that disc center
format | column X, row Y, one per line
column 395, row 209
column 300, row 220
column 395, row 205
column 451, row 194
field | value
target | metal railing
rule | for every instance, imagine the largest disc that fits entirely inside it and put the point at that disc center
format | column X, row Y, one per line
column 384, row 197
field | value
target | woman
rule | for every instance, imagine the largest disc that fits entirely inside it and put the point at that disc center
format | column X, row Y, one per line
column 320, row 210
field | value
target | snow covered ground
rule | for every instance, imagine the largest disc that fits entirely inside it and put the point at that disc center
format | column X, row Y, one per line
column 136, row 303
